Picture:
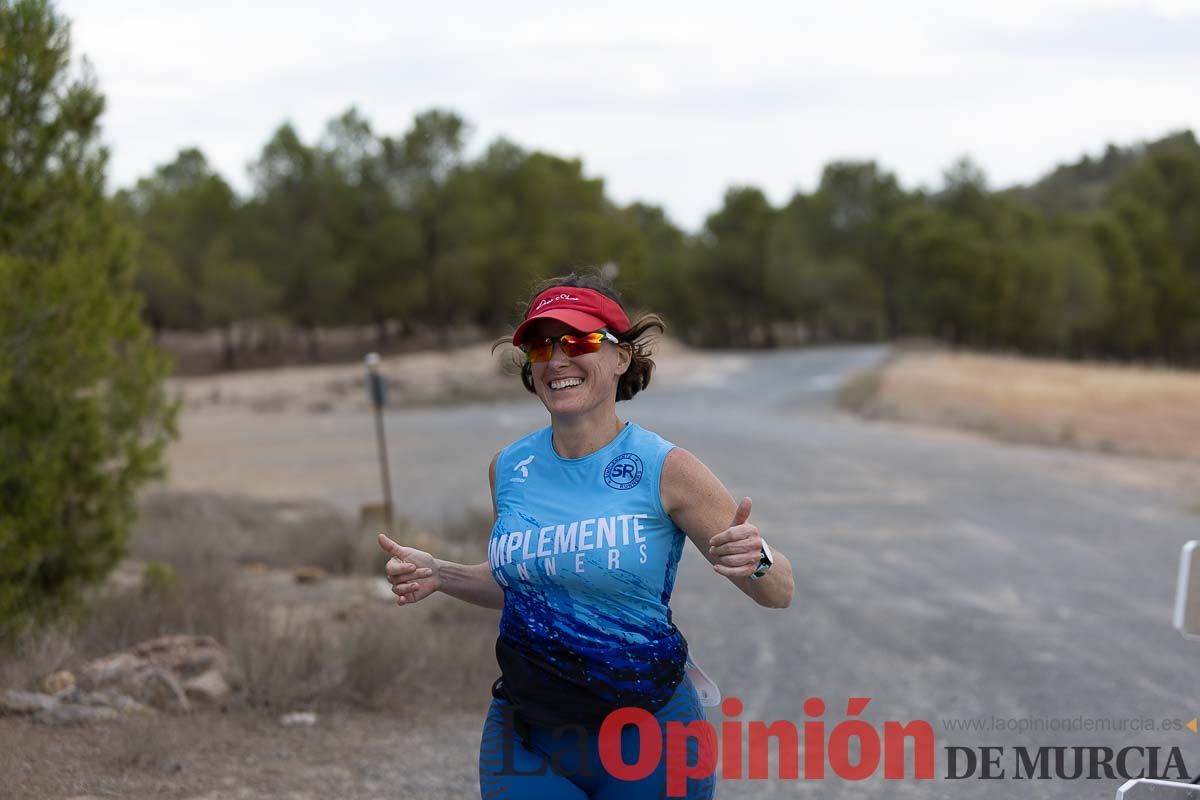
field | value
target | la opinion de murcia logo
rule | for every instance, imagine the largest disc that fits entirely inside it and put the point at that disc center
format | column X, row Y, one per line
column 563, row 296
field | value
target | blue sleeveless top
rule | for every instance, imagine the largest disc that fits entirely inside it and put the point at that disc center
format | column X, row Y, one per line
column 587, row 557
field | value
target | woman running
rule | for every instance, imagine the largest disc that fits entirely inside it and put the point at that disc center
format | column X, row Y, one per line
column 591, row 514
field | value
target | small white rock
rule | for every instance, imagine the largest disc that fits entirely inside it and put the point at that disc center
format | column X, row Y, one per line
column 305, row 718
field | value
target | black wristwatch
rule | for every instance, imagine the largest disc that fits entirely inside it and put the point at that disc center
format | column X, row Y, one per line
column 764, row 562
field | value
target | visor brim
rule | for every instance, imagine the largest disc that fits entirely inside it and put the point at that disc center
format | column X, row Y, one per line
column 579, row 320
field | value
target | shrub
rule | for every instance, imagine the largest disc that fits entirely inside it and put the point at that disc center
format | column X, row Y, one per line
column 83, row 414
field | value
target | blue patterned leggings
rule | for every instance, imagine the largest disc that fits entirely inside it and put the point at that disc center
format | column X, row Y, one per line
column 562, row 767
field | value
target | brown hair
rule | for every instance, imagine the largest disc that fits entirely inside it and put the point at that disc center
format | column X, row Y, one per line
column 637, row 339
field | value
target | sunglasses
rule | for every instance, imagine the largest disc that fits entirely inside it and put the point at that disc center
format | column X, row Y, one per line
column 543, row 349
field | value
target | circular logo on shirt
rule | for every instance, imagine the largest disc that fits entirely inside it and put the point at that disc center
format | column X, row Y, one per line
column 624, row 471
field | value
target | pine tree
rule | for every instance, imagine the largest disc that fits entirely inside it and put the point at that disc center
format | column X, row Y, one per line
column 84, row 417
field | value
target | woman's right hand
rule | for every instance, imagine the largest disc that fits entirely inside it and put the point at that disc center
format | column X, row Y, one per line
column 413, row 573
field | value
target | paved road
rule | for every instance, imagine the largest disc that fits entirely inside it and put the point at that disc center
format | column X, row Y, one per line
column 941, row 575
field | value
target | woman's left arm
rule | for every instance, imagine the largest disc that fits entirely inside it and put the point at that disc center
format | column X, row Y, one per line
column 704, row 509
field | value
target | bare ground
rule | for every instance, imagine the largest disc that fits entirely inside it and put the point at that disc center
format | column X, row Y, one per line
column 395, row 711
column 249, row 755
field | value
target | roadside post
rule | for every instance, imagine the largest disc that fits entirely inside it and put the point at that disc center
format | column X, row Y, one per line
column 377, row 388
column 1187, row 622
column 1147, row 789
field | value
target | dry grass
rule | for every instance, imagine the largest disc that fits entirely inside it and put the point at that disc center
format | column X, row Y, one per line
column 146, row 742
column 192, row 531
column 298, row 649
column 116, row 617
column 1124, row 409
column 225, row 567
column 377, row 657
column 860, row 390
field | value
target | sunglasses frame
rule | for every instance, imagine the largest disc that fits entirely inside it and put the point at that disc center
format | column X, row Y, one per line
column 527, row 347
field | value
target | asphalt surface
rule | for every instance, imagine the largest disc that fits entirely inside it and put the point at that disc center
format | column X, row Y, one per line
column 942, row 575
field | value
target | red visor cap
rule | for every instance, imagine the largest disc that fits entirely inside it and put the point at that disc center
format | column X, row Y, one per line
column 585, row 310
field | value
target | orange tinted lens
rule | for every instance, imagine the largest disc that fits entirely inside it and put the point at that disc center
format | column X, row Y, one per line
column 580, row 345
column 543, row 349
column 539, row 349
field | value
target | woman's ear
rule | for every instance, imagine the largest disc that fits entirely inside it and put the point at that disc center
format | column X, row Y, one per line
column 624, row 357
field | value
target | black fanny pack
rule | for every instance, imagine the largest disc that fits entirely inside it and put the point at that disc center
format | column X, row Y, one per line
column 544, row 693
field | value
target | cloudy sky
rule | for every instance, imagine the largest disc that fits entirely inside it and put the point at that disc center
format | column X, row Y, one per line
column 670, row 102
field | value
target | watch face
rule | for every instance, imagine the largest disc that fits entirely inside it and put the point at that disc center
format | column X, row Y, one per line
column 766, row 553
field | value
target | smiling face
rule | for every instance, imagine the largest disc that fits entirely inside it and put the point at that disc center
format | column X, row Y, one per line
column 580, row 385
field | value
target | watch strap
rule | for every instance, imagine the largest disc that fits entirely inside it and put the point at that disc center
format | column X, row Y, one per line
column 764, row 562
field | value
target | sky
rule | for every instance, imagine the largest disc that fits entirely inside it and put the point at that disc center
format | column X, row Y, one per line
column 669, row 102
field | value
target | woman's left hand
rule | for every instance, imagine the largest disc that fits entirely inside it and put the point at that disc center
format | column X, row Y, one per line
column 735, row 551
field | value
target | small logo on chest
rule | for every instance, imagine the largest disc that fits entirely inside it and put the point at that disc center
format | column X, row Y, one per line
column 522, row 467
column 624, row 471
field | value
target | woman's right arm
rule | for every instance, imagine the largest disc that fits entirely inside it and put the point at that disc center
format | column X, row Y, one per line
column 415, row 574
column 471, row 582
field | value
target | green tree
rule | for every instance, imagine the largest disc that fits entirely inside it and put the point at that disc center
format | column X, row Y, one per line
column 1159, row 203
column 667, row 285
column 288, row 228
column 846, row 222
column 188, row 267
column 513, row 218
column 1079, row 294
column 423, row 164
column 1085, row 186
column 1128, row 330
column 834, row 295
column 942, row 264
column 83, row 414
column 731, row 266
column 231, row 290
column 179, row 211
column 376, row 239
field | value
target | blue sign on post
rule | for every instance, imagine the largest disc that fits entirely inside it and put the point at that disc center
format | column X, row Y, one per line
column 378, row 388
